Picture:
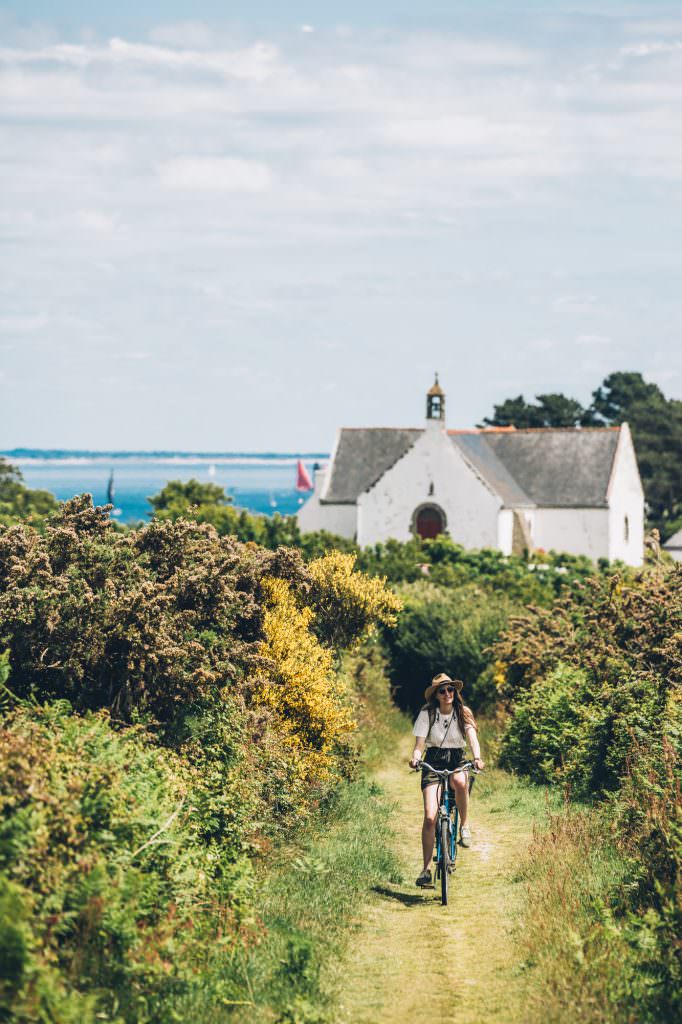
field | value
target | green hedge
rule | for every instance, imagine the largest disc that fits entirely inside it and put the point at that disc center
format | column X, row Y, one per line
column 594, row 690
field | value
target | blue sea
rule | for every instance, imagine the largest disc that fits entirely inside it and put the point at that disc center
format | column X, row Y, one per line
column 264, row 483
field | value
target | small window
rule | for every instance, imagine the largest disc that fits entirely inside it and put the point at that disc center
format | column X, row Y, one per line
column 626, row 529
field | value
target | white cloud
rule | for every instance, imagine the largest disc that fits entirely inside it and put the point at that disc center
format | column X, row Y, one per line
column 132, row 357
column 24, row 323
column 216, row 174
column 342, row 168
column 653, row 27
column 194, row 34
column 593, row 340
column 577, row 304
column 96, row 220
column 651, row 48
column 255, row 63
column 543, row 344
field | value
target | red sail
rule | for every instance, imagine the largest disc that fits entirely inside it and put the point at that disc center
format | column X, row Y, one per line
column 303, row 481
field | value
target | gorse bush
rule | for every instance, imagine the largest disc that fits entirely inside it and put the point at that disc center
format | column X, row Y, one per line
column 137, row 622
column 302, row 690
column 594, row 688
column 107, row 888
column 205, row 719
column 619, row 644
column 346, row 603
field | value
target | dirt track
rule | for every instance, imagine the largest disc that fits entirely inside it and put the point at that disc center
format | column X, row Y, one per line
column 385, row 977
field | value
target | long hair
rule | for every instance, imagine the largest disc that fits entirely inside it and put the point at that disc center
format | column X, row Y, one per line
column 465, row 715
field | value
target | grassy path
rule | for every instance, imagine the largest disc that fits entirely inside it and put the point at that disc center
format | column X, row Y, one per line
column 383, row 977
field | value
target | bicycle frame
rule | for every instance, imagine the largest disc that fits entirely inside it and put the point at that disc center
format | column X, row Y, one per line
column 448, row 816
column 445, row 810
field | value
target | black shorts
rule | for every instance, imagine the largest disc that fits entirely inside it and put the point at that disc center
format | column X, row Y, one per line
column 441, row 757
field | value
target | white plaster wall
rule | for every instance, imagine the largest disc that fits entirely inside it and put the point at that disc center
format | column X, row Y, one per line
column 470, row 507
column 578, row 531
column 529, row 515
column 626, row 498
column 339, row 519
column 505, row 530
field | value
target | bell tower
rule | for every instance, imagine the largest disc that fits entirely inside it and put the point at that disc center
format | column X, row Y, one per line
column 435, row 404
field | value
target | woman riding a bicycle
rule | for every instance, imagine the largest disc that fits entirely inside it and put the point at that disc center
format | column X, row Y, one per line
column 443, row 727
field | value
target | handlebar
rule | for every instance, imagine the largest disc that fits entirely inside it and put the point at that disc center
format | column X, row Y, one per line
column 445, row 773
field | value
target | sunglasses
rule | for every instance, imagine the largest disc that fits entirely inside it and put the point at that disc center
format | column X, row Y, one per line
column 445, row 689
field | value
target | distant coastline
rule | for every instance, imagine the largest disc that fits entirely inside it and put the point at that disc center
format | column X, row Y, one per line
column 260, row 482
column 87, row 455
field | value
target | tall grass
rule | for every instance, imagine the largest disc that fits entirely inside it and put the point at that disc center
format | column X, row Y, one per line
column 580, row 965
column 310, row 892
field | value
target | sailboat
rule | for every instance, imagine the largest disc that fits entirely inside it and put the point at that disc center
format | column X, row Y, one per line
column 111, row 494
column 303, row 481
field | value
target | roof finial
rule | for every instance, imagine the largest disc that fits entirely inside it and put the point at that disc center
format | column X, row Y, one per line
column 435, row 388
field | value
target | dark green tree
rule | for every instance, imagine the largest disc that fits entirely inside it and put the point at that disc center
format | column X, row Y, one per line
column 19, row 502
column 620, row 393
column 179, row 495
column 514, row 412
column 556, row 410
column 656, row 424
column 552, row 410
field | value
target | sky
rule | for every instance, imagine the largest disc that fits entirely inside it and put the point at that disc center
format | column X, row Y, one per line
column 230, row 226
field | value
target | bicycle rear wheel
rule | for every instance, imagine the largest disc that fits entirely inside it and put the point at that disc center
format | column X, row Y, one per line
column 444, row 860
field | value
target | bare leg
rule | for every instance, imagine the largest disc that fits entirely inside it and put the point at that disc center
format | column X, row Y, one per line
column 429, row 827
column 460, row 786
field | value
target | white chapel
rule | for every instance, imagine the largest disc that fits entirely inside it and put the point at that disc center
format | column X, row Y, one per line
column 576, row 490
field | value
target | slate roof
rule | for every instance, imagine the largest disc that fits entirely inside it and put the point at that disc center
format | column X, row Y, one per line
column 475, row 448
column 552, row 468
column 559, row 468
column 362, row 456
column 674, row 543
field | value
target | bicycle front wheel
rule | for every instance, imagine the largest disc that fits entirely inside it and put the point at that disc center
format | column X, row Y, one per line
column 444, row 860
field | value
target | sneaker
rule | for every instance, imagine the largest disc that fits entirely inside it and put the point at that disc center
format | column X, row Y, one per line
column 465, row 835
column 424, row 879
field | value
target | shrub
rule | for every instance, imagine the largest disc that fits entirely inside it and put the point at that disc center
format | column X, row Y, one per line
column 18, row 502
column 303, row 692
column 207, row 719
column 138, row 622
column 348, row 604
column 622, row 641
column 593, row 686
column 444, row 630
column 108, row 893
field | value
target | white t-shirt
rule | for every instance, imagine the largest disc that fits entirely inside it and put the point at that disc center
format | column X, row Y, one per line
column 443, row 733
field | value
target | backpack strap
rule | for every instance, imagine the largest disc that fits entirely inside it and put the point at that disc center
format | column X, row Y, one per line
column 432, row 719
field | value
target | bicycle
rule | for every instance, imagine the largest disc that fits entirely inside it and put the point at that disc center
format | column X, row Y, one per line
column 447, row 824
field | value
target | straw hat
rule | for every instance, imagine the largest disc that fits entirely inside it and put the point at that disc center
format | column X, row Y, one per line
column 438, row 681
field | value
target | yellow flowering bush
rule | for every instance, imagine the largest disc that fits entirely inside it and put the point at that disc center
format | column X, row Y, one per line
column 348, row 604
column 303, row 690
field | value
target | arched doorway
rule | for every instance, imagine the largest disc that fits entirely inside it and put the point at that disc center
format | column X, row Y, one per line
column 428, row 521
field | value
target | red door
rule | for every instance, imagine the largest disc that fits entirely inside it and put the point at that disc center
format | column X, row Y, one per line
column 429, row 523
